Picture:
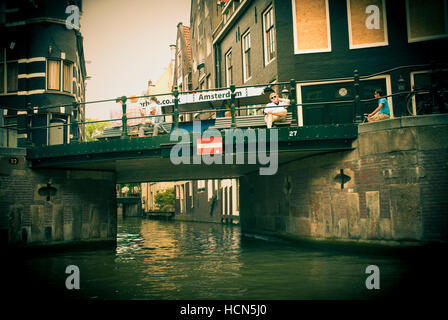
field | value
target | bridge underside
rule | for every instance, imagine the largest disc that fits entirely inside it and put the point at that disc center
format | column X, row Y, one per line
column 148, row 159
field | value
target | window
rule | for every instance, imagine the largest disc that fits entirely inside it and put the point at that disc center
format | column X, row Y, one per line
column 201, row 185
column 427, row 20
column 229, row 68
column 246, row 56
column 68, row 79
column 53, row 74
column 209, row 189
column 9, row 132
column 311, row 22
column 367, row 26
column 8, row 75
column 269, row 35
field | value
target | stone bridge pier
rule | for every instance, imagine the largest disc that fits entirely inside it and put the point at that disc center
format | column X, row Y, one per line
column 55, row 207
column 390, row 189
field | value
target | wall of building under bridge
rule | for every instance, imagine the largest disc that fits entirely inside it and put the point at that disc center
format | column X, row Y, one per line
column 396, row 192
column 81, row 207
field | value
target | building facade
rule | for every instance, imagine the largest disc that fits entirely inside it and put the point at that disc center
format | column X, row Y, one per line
column 206, row 15
column 41, row 64
column 263, row 41
column 212, row 200
column 182, row 66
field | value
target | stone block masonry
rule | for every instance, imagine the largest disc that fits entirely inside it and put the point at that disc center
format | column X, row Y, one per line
column 397, row 190
column 54, row 207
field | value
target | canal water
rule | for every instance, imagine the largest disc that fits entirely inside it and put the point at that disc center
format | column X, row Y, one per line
column 187, row 260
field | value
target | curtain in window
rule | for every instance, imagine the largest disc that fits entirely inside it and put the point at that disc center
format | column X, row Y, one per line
column 53, row 74
column 67, row 77
column 12, row 81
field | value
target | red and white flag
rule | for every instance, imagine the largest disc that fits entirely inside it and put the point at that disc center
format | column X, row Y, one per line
column 212, row 145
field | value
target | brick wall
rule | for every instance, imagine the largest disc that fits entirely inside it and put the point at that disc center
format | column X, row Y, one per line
column 82, row 206
column 397, row 188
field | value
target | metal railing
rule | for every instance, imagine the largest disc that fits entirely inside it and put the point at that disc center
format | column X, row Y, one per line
column 24, row 128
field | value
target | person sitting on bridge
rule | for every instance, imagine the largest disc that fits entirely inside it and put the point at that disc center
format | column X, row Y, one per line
column 382, row 112
column 275, row 110
column 133, row 112
column 153, row 109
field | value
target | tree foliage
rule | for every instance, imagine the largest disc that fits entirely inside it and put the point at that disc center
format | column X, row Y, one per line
column 93, row 129
column 165, row 198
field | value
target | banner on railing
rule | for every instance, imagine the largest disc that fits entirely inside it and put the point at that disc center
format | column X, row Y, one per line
column 207, row 96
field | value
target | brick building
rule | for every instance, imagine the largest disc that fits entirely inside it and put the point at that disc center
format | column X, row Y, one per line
column 183, row 66
column 263, row 41
column 41, row 64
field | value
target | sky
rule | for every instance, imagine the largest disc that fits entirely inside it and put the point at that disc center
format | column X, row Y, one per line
column 126, row 43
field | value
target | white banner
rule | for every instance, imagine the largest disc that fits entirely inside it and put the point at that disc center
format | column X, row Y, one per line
column 168, row 100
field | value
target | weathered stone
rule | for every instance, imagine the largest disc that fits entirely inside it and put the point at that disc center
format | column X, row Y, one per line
column 316, row 215
column 318, row 181
column 373, row 214
column 103, row 230
column 387, row 141
column 77, row 222
column 303, row 226
column 342, row 229
column 405, row 211
column 373, row 143
column 37, row 223
column 401, row 139
column 363, row 228
column 353, row 215
column 384, row 231
column 58, row 222
column 432, row 138
column 94, row 222
column 15, row 222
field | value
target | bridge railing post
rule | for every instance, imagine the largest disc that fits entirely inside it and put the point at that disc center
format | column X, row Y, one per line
column 357, row 117
column 176, row 108
column 124, row 119
column 75, row 138
column 232, row 105
column 293, row 103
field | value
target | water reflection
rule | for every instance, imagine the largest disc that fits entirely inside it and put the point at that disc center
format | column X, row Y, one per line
column 180, row 260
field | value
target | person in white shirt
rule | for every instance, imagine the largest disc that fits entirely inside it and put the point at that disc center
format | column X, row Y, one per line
column 152, row 109
column 275, row 110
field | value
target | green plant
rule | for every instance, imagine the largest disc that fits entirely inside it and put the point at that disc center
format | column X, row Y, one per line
column 93, row 129
column 165, row 198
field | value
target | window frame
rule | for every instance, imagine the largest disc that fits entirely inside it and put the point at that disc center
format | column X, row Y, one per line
column 266, row 39
column 368, row 45
column 386, row 77
column 48, row 74
column 5, row 63
column 426, row 38
column 245, row 52
column 70, row 65
column 229, row 80
column 296, row 49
